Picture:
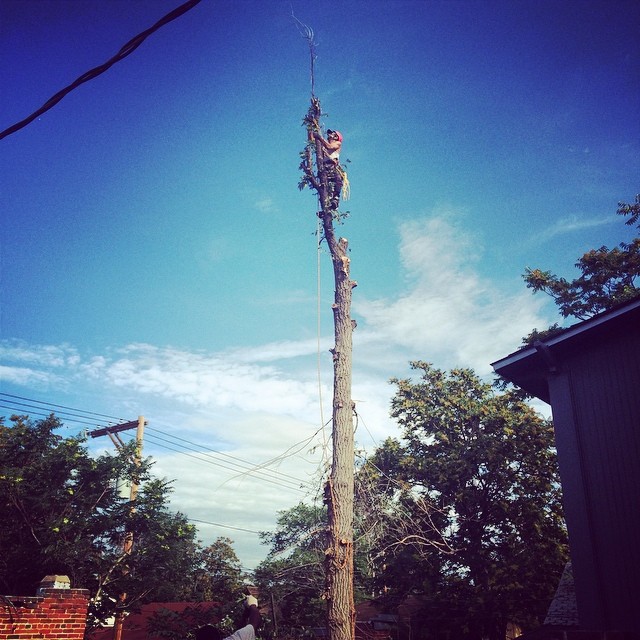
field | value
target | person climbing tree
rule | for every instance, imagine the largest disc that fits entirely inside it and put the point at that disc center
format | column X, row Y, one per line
column 331, row 163
column 339, row 487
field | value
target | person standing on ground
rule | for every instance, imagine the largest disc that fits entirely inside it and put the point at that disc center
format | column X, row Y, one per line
column 252, row 619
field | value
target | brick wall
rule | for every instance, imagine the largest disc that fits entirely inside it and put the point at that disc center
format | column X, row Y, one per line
column 55, row 614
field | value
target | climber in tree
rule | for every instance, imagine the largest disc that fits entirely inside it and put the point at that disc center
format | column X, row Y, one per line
column 331, row 163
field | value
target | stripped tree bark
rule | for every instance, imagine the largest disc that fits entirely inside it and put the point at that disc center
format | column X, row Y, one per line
column 339, row 488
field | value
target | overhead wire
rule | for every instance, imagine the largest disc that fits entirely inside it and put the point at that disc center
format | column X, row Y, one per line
column 225, row 526
column 233, row 463
column 247, row 466
column 61, row 414
column 208, row 458
column 125, row 50
column 42, row 415
column 13, row 404
column 222, row 454
column 44, row 409
column 61, row 406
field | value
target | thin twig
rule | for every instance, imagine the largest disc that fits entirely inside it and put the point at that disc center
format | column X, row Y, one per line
column 307, row 33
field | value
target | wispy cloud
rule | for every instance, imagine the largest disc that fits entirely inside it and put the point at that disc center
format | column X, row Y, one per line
column 25, row 376
column 263, row 403
column 448, row 314
column 39, row 355
column 266, row 205
column 571, row 224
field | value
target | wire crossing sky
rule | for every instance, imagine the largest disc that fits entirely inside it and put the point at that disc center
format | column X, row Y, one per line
column 126, row 50
column 158, row 258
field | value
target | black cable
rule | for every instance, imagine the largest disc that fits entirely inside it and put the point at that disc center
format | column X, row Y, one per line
column 61, row 406
column 241, row 471
column 20, row 412
column 282, row 480
column 246, row 469
column 128, row 48
column 63, row 415
column 226, row 526
column 209, row 452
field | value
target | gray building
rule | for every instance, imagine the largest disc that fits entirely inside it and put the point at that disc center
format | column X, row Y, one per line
column 590, row 375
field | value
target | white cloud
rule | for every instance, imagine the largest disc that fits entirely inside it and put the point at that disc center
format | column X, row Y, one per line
column 207, row 380
column 261, row 405
column 448, row 314
column 266, row 205
column 38, row 355
column 572, row 224
column 24, row 376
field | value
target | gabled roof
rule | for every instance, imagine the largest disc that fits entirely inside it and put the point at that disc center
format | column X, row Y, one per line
column 529, row 368
column 563, row 610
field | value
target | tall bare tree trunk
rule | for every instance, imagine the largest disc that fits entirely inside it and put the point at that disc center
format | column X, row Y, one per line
column 339, row 489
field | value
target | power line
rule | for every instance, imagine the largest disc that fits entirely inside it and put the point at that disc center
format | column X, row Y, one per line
column 221, row 453
column 235, row 464
column 43, row 415
column 61, row 406
column 252, row 472
column 225, row 526
column 127, row 49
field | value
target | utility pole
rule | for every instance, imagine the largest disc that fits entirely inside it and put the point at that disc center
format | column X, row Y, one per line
column 127, row 544
column 339, row 488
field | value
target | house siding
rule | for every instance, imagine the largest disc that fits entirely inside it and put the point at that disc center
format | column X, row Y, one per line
column 596, row 419
column 590, row 374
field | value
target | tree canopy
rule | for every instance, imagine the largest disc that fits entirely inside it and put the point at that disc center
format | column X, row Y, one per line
column 607, row 277
column 292, row 574
column 462, row 513
column 62, row 513
column 475, row 525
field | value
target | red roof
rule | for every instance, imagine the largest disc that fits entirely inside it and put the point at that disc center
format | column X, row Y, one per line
column 136, row 625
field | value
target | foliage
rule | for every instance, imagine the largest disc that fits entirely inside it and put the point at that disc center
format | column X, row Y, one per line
column 217, row 578
column 475, row 484
column 219, row 575
column 62, row 514
column 608, row 276
column 292, row 575
column 163, row 555
column 55, row 504
column 181, row 625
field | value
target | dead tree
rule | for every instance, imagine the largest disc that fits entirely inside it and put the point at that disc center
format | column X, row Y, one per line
column 339, row 488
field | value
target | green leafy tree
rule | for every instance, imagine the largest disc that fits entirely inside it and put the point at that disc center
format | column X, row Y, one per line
column 54, row 504
column 476, row 487
column 219, row 575
column 61, row 513
column 400, row 529
column 607, row 277
column 292, row 575
column 218, row 580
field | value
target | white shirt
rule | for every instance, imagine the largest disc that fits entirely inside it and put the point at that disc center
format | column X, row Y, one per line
column 246, row 633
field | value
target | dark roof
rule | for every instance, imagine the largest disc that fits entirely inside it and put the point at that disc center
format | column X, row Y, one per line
column 563, row 611
column 135, row 625
column 529, row 368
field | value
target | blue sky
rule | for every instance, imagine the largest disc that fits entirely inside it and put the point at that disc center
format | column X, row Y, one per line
column 158, row 258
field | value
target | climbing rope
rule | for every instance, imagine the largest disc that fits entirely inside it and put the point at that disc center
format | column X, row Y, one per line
column 346, row 187
column 325, row 441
